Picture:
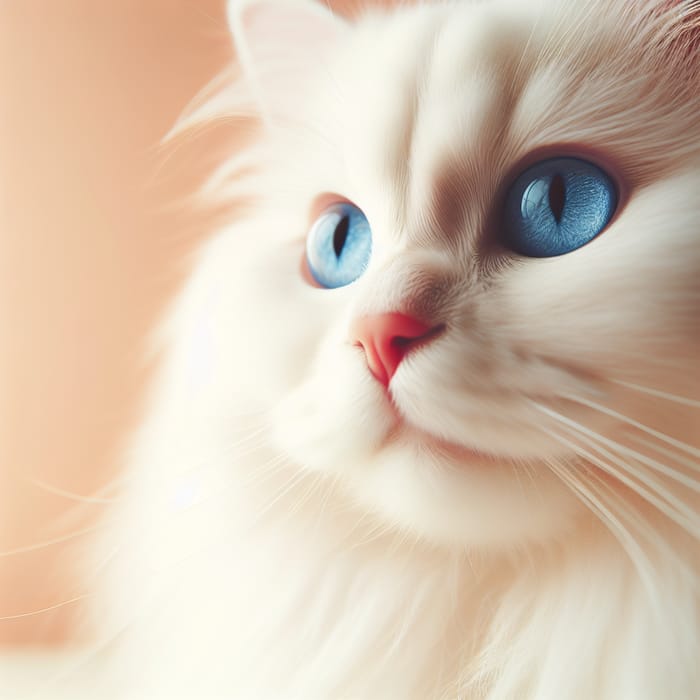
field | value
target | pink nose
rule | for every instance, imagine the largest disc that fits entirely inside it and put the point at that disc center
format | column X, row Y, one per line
column 386, row 338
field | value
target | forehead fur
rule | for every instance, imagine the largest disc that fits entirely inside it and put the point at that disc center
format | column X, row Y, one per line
column 433, row 100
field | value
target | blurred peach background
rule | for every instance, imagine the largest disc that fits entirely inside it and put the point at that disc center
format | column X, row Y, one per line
column 93, row 232
column 91, row 236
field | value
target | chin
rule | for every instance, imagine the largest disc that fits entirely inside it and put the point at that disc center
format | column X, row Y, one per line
column 483, row 495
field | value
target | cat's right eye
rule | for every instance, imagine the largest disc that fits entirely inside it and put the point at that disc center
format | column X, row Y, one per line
column 339, row 245
column 557, row 206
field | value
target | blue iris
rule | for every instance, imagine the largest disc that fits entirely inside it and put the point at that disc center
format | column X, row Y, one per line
column 557, row 206
column 339, row 245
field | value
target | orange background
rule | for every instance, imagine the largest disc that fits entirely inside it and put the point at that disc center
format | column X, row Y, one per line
column 93, row 227
column 90, row 236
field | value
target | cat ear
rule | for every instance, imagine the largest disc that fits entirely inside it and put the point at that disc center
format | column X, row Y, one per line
column 280, row 45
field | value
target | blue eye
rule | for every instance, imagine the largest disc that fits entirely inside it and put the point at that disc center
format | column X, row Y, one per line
column 557, row 206
column 339, row 245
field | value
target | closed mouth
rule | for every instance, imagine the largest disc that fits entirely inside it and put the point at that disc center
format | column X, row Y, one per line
column 422, row 440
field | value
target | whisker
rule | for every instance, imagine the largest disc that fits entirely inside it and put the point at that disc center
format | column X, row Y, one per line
column 595, row 498
column 641, row 459
column 684, row 461
column 273, row 466
column 49, row 608
column 314, row 487
column 236, row 453
column 617, row 529
column 694, row 451
column 377, row 530
column 255, row 439
column 684, row 400
column 369, row 528
column 661, row 545
column 249, row 434
column 70, row 495
column 331, row 488
column 628, row 451
column 48, row 543
column 660, row 498
column 291, row 484
column 688, row 481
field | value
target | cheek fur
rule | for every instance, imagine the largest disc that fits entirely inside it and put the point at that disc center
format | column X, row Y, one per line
column 268, row 322
column 337, row 431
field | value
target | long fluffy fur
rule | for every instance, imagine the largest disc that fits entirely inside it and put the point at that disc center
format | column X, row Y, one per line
column 279, row 535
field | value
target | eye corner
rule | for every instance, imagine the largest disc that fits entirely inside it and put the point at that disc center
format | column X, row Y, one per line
column 306, row 274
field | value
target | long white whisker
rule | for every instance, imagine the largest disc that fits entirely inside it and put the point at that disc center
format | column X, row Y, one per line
column 619, row 531
column 48, row 543
column 690, row 482
column 684, row 400
column 49, row 608
column 694, row 451
column 314, row 487
column 70, row 495
column 644, row 477
column 251, row 434
column 680, row 459
column 291, row 484
column 273, row 466
column 661, row 545
column 682, row 515
column 622, row 449
column 372, row 529
column 330, row 489
column 254, row 440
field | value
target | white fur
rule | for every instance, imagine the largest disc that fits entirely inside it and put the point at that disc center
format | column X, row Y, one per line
column 281, row 534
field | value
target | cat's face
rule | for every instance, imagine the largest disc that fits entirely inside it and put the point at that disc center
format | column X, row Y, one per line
column 424, row 119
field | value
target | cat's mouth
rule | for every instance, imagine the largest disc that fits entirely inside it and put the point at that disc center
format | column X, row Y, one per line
column 424, row 442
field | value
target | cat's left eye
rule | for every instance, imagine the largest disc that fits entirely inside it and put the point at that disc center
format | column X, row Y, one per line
column 557, row 206
column 339, row 245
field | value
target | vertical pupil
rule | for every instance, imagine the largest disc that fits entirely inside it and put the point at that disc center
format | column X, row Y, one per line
column 557, row 196
column 340, row 235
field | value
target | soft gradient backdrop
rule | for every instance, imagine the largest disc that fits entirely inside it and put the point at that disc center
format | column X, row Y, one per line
column 94, row 227
column 90, row 241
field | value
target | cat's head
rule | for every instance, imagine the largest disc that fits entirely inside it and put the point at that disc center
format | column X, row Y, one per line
column 472, row 260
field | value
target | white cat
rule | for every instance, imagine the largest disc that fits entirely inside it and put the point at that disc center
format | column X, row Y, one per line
column 427, row 422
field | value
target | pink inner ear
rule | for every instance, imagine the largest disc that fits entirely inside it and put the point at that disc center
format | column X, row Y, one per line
column 271, row 30
column 266, row 23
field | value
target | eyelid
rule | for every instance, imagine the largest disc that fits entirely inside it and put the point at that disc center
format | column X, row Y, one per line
column 609, row 164
column 325, row 200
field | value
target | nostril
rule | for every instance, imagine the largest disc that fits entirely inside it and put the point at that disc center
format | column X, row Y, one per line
column 403, row 342
column 387, row 338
